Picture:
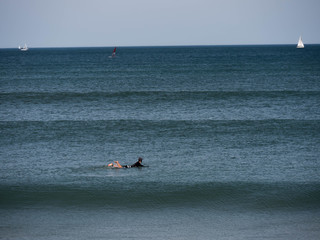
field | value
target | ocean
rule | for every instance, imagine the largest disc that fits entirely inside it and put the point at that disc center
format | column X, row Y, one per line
column 229, row 135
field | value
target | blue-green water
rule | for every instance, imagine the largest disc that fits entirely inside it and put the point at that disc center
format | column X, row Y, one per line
column 230, row 135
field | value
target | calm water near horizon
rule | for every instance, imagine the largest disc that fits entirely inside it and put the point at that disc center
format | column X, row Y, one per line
column 230, row 136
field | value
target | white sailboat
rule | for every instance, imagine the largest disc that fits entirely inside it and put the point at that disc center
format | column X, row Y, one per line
column 25, row 48
column 300, row 43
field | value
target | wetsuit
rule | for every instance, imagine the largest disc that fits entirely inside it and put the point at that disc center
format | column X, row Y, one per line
column 137, row 164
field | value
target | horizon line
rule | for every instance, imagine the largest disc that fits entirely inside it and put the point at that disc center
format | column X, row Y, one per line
column 182, row 45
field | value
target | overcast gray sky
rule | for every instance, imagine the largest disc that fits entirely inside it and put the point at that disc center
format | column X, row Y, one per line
column 73, row 23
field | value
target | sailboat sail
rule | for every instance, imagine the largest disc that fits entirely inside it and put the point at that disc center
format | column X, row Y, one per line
column 25, row 48
column 300, row 43
column 114, row 52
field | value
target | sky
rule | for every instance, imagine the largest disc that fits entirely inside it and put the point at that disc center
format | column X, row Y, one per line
column 92, row 23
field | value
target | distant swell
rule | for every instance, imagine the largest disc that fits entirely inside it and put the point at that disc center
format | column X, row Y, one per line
column 46, row 97
column 155, row 195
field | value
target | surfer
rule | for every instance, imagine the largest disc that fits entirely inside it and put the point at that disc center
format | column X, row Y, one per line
column 116, row 164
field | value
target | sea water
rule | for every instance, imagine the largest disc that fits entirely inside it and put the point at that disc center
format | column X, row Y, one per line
column 230, row 136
